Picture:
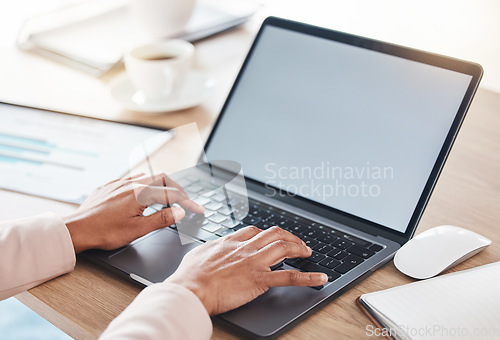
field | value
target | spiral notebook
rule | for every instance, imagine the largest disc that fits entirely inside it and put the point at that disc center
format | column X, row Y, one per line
column 460, row 305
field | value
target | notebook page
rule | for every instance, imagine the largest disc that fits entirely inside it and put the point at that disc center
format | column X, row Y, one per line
column 461, row 305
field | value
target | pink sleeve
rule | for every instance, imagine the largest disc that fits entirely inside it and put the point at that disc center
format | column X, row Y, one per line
column 162, row 311
column 33, row 250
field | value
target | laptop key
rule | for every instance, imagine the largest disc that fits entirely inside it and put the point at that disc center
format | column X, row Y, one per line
column 326, row 238
column 360, row 251
column 352, row 259
column 208, row 194
column 219, row 197
column 230, row 223
column 251, row 220
column 149, row 211
column 263, row 225
column 259, row 212
column 348, row 263
column 276, row 266
column 376, row 247
column 316, row 257
column 312, row 233
column 240, row 226
column 342, row 244
column 314, row 267
column 211, row 227
column 359, row 241
column 339, row 254
column 325, row 249
column 329, row 263
column 283, row 223
column 318, row 247
column 200, row 200
column 295, row 262
column 208, row 213
column 310, row 242
column 157, row 206
column 297, row 227
column 217, row 218
column 213, row 205
column 274, row 218
column 224, row 211
column 268, row 217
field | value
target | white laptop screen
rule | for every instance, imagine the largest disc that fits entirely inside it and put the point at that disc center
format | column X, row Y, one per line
column 348, row 127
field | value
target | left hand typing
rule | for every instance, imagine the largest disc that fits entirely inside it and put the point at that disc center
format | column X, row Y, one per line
column 111, row 217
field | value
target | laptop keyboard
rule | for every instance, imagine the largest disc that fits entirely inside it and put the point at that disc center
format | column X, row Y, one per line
column 334, row 252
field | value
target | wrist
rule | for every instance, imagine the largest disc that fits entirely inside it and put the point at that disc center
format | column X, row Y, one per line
column 76, row 231
column 196, row 289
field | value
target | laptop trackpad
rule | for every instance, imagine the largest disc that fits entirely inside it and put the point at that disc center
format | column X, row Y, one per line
column 154, row 258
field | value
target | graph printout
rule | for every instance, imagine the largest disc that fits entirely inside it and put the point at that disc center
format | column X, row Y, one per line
column 64, row 157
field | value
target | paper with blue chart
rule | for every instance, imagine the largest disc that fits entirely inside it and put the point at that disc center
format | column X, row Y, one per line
column 64, row 157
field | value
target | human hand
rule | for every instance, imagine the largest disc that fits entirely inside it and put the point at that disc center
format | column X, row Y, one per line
column 233, row 270
column 111, row 216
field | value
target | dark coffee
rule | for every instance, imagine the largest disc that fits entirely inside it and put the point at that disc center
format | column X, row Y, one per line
column 159, row 57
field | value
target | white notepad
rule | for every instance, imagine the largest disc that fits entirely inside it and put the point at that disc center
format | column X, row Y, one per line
column 461, row 305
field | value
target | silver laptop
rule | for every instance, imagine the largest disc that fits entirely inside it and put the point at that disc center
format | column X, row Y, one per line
column 341, row 140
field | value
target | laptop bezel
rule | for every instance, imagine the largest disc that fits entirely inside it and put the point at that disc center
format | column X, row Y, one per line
column 473, row 69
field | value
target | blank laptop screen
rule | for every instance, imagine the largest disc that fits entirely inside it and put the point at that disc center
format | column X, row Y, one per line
column 348, row 127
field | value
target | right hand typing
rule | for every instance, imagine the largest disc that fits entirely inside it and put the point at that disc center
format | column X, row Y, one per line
column 233, row 270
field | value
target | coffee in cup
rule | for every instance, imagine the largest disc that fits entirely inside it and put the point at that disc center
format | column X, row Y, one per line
column 157, row 69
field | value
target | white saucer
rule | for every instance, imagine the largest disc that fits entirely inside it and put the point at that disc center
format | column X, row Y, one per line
column 194, row 89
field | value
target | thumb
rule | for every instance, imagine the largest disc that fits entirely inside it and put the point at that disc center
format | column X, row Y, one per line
column 164, row 217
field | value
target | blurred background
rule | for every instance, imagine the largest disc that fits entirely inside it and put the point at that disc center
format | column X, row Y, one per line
column 464, row 29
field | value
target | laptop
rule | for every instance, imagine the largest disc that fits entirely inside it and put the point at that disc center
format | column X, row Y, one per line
column 341, row 140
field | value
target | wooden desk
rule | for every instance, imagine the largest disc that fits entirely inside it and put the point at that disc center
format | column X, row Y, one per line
column 83, row 302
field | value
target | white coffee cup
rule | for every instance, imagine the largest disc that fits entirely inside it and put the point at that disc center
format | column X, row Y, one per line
column 162, row 18
column 158, row 68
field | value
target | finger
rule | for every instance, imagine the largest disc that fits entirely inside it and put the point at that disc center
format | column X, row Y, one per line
column 147, row 195
column 188, row 203
column 274, row 234
column 279, row 250
column 162, row 180
column 191, row 205
column 161, row 219
column 283, row 278
column 245, row 234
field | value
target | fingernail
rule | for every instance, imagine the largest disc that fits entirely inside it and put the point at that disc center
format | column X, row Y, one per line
column 324, row 277
column 308, row 248
column 178, row 213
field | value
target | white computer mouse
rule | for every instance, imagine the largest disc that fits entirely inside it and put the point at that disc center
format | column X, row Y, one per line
column 437, row 249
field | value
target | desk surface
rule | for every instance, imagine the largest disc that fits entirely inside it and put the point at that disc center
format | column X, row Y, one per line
column 83, row 302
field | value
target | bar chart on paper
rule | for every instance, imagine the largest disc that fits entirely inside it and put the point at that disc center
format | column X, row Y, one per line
column 62, row 156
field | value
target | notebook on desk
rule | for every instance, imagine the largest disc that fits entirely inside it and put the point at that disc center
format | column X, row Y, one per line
column 461, row 305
